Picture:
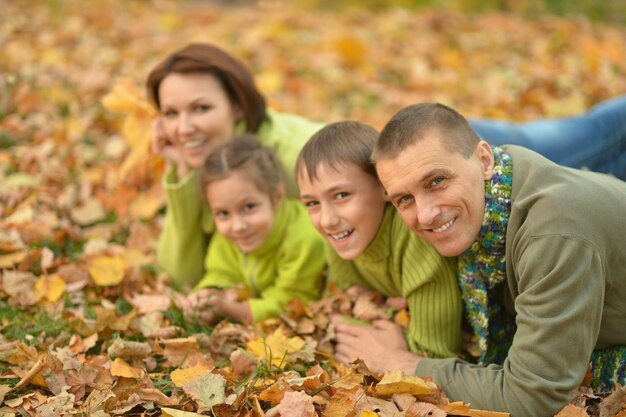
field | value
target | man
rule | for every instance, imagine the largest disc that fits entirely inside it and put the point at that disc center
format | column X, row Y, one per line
column 542, row 263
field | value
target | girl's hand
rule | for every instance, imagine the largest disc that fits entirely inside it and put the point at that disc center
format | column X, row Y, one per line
column 227, row 305
column 162, row 145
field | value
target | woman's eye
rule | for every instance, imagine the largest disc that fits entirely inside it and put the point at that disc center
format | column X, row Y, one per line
column 169, row 113
column 201, row 108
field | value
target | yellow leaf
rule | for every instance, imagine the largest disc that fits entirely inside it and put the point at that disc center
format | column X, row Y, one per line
column 275, row 346
column 351, row 50
column 50, row 287
column 125, row 97
column 368, row 414
column 395, row 382
column 145, row 206
column 182, row 376
column 108, row 270
column 10, row 259
column 172, row 412
column 119, row 367
column 90, row 212
column 270, row 81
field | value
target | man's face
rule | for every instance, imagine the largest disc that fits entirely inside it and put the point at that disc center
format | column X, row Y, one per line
column 439, row 194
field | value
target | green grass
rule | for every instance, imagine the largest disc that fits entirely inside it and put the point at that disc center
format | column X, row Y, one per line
column 28, row 325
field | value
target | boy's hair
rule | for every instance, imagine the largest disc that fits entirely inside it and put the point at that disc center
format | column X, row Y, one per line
column 415, row 122
column 244, row 152
column 339, row 143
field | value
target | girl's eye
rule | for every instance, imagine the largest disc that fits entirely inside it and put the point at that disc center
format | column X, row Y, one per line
column 221, row 214
column 249, row 206
column 341, row 195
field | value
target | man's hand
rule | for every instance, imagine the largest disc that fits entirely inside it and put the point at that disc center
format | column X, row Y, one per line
column 382, row 347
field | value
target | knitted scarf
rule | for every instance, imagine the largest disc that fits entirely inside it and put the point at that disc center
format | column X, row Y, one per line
column 482, row 268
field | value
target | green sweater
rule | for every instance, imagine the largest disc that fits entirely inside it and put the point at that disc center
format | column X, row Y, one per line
column 398, row 263
column 566, row 287
column 188, row 224
column 289, row 265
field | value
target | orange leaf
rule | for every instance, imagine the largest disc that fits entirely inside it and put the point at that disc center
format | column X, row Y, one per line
column 119, row 367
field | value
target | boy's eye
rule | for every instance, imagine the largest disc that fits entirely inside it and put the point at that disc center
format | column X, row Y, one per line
column 341, row 195
column 311, row 204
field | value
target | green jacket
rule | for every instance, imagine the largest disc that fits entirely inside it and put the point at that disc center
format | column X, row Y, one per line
column 566, row 287
column 398, row 263
column 188, row 223
column 289, row 265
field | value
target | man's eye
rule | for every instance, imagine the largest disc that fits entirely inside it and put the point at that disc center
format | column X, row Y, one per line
column 341, row 195
column 404, row 200
column 437, row 181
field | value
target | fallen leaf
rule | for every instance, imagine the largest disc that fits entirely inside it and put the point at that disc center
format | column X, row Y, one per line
column 397, row 382
column 206, row 390
column 119, row 367
column 108, row 270
column 181, row 377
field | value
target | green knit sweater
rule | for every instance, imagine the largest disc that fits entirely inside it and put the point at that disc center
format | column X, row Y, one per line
column 188, row 224
column 565, row 286
column 398, row 263
column 289, row 265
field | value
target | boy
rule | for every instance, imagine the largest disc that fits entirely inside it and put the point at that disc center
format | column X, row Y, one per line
column 368, row 244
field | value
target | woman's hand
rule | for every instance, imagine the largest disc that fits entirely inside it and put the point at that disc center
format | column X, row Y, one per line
column 164, row 146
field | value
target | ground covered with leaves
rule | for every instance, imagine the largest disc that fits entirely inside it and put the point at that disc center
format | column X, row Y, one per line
column 88, row 323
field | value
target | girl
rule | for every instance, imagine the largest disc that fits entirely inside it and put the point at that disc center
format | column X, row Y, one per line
column 264, row 241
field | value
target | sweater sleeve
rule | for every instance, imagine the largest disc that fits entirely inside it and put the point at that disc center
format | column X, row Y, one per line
column 183, row 241
column 299, row 275
column 559, row 310
column 223, row 264
column 434, row 301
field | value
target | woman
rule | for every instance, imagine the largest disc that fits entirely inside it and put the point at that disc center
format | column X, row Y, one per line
column 205, row 96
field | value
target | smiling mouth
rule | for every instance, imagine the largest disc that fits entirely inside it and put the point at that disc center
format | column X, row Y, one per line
column 341, row 235
column 444, row 227
column 194, row 144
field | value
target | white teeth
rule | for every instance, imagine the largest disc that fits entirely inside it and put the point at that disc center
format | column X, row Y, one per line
column 194, row 143
column 444, row 227
column 342, row 235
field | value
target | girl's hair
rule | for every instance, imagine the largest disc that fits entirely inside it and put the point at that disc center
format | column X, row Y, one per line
column 234, row 77
column 346, row 142
column 244, row 152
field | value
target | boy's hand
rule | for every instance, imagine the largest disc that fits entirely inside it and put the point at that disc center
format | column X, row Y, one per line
column 382, row 347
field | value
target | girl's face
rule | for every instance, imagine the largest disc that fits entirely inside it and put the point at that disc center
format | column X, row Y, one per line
column 197, row 114
column 243, row 213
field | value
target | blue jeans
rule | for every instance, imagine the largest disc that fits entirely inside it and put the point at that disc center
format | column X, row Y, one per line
column 595, row 140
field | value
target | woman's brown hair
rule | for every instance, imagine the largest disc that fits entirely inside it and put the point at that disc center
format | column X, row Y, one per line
column 234, row 77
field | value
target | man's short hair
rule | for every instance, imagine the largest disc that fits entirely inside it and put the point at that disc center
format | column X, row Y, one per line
column 417, row 121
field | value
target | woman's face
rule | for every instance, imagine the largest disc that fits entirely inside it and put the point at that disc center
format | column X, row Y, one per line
column 197, row 114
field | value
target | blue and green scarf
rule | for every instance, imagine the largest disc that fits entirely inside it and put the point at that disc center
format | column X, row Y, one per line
column 482, row 276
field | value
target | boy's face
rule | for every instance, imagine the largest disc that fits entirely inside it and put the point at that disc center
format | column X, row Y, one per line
column 345, row 205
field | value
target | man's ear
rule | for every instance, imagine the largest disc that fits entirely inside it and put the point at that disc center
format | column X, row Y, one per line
column 485, row 156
